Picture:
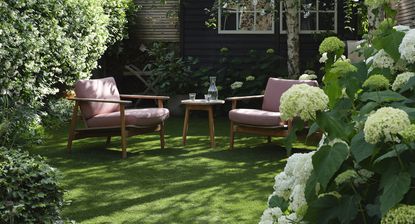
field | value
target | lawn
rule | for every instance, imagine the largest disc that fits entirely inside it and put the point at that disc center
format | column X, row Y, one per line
column 180, row 184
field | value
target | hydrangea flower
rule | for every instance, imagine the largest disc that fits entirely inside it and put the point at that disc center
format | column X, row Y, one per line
column 407, row 47
column 324, row 58
column 236, row 85
column 376, row 82
column 331, row 44
column 385, row 124
column 408, row 134
column 402, row 28
column 304, row 101
column 343, row 67
column 400, row 214
column 401, row 80
column 270, row 51
column 307, row 77
column 250, row 78
column 376, row 3
column 382, row 60
column 270, row 214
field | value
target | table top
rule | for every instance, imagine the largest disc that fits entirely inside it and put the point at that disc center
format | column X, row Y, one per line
column 202, row 102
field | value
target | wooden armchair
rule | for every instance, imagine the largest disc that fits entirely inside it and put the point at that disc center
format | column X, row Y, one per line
column 104, row 113
column 267, row 120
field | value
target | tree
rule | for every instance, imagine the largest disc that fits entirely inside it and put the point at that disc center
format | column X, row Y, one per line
column 293, row 37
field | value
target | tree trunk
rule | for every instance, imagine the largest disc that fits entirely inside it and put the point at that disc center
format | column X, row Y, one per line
column 293, row 38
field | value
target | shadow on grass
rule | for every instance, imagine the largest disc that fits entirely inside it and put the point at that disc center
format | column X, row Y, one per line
column 180, row 184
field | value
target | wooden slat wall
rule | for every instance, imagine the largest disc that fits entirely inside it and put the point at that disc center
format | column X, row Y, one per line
column 158, row 22
column 204, row 43
column 406, row 12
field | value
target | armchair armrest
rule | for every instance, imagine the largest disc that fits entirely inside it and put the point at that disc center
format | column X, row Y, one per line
column 235, row 99
column 100, row 100
column 244, row 97
column 145, row 97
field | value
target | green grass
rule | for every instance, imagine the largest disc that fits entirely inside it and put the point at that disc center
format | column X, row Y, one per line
column 180, row 184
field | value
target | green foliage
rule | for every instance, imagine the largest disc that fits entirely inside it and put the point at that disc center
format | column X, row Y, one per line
column 45, row 46
column 29, row 189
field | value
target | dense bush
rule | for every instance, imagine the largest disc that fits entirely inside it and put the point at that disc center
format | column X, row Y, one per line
column 45, row 46
column 29, row 189
column 364, row 167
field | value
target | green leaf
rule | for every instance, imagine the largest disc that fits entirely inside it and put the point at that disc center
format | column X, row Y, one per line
column 313, row 128
column 329, row 122
column 348, row 208
column 327, row 160
column 276, row 201
column 392, row 153
column 369, row 107
column 390, row 43
column 298, row 125
column 360, row 148
column 409, row 85
column 395, row 186
column 333, row 91
column 411, row 169
column 382, row 96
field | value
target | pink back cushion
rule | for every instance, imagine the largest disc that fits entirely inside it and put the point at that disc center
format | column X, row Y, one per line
column 275, row 88
column 105, row 88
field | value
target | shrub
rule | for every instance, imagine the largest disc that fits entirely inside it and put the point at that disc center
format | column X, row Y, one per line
column 46, row 45
column 29, row 189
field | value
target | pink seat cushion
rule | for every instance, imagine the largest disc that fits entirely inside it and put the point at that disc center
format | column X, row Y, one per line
column 139, row 117
column 105, row 88
column 255, row 117
column 275, row 88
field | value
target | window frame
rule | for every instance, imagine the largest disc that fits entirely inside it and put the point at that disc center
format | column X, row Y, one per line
column 237, row 31
column 317, row 12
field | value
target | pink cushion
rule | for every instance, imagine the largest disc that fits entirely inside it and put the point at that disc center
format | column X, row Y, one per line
column 275, row 88
column 139, row 117
column 255, row 117
column 105, row 88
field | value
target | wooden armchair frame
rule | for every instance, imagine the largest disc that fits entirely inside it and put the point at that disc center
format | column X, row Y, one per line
column 123, row 130
column 269, row 131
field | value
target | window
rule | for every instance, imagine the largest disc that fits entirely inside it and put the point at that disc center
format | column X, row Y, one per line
column 246, row 17
column 315, row 16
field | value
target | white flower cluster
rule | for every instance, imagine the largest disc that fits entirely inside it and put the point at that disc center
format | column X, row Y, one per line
column 290, row 185
column 382, row 60
column 250, row 78
column 304, row 101
column 376, row 3
column 402, row 28
column 324, row 58
column 236, row 85
column 307, row 77
column 401, row 80
column 385, row 124
column 407, row 47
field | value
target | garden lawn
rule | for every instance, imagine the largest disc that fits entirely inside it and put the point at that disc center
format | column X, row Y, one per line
column 180, row 184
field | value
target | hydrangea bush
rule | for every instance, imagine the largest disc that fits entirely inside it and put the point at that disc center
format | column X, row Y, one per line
column 363, row 169
column 45, row 46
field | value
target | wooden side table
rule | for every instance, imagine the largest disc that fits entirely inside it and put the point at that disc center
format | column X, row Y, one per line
column 200, row 105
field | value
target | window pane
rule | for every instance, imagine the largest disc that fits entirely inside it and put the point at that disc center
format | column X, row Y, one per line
column 284, row 22
column 246, row 21
column 308, row 5
column 228, row 20
column 326, row 21
column 308, row 21
column 326, row 5
column 263, row 22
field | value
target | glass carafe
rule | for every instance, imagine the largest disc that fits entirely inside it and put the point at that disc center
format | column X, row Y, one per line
column 213, row 91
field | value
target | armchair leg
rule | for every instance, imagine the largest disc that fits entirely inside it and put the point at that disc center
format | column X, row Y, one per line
column 162, row 142
column 232, row 136
column 72, row 127
column 123, row 132
column 108, row 140
column 269, row 139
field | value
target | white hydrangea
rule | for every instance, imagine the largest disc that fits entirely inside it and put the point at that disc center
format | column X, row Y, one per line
column 236, row 85
column 402, row 28
column 385, row 124
column 290, row 185
column 270, row 215
column 323, row 58
column 250, row 78
column 382, row 60
column 304, row 101
column 307, row 77
column 401, row 80
column 407, row 47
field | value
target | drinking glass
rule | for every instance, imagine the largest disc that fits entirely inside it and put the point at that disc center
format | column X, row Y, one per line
column 207, row 97
column 192, row 96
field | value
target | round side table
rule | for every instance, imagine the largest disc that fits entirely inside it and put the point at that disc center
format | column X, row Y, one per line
column 200, row 105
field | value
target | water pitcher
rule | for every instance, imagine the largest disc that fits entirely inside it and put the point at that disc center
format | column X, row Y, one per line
column 213, row 91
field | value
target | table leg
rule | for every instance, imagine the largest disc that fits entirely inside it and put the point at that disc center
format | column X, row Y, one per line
column 211, row 127
column 186, row 124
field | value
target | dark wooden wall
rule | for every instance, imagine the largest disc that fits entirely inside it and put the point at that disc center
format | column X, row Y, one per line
column 204, row 43
column 406, row 12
